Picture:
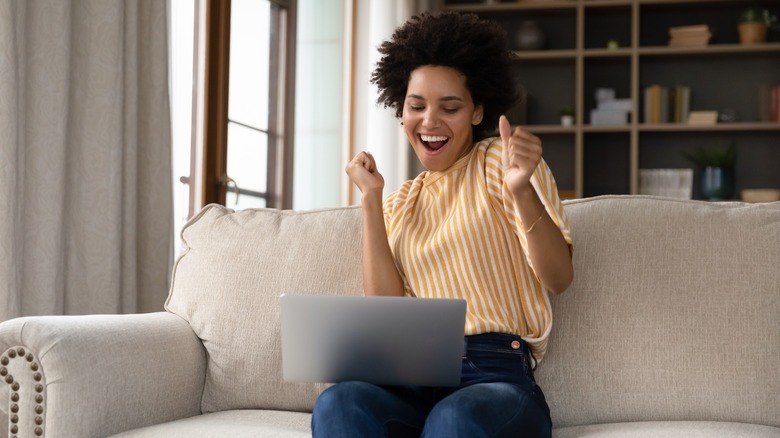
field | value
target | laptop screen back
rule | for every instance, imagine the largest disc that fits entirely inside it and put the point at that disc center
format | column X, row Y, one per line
column 381, row 340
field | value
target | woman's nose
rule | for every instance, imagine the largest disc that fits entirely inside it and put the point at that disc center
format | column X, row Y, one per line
column 430, row 119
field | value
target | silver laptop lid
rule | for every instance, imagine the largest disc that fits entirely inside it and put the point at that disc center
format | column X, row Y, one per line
column 381, row 340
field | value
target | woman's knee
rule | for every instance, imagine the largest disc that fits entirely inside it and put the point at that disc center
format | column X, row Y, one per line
column 496, row 409
column 344, row 394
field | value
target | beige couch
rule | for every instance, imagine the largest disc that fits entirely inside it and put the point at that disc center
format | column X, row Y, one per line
column 670, row 329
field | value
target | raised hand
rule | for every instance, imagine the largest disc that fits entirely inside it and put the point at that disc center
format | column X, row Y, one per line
column 522, row 153
column 363, row 173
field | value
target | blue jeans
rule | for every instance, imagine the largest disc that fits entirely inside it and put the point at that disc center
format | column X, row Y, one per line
column 497, row 397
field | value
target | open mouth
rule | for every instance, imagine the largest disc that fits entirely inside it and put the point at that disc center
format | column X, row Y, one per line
column 433, row 142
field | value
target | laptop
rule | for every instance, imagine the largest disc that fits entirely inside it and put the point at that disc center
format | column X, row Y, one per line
column 380, row 340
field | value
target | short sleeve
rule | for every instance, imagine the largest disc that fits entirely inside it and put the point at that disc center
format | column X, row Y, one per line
column 392, row 216
column 388, row 205
column 391, row 203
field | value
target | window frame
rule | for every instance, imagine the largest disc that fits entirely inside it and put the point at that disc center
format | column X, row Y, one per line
column 281, row 123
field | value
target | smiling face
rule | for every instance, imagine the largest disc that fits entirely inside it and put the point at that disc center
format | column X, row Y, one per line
column 438, row 116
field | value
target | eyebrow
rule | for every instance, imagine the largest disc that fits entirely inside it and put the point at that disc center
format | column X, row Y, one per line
column 443, row 99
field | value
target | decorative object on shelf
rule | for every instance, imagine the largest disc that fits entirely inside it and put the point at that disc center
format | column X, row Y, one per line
column 728, row 115
column 717, row 183
column 697, row 35
column 609, row 110
column 604, row 94
column 613, row 45
column 716, row 165
column 529, row 36
column 761, row 195
column 753, row 25
column 567, row 115
column 670, row 183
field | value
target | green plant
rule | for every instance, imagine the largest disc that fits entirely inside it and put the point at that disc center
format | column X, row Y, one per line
column 567, row 110
column 723, row 155
column 758, row 15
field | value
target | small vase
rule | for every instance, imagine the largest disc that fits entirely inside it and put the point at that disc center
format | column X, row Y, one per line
column 529, row 36
column 717, row 183
column 752, row 32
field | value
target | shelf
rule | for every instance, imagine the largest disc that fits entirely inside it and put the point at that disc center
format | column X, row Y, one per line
column 546, row 54
column 736, row 49
column 551, row 129
column 723, row 76
column 657, row 127
column 724, row 127
column 686, row 2
column 624, row 52
column 607, row 3
column 519, row 6
column 606, row 128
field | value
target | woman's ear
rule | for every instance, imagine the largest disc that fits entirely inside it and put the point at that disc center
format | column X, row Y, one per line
column 476, row 118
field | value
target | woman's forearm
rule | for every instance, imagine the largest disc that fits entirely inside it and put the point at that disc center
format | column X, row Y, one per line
column 548, row 250
column 380, row 276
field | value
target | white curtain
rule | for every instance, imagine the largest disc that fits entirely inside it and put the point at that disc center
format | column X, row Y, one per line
column 85, row 157
column 375, row 128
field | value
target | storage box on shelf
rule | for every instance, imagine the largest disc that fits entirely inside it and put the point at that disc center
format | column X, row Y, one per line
column 625, row 45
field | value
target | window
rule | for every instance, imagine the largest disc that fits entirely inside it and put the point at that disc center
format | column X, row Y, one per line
column 236, row 68
column 249, row 56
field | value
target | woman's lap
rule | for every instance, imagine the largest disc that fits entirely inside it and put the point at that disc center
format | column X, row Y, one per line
column 497, row 397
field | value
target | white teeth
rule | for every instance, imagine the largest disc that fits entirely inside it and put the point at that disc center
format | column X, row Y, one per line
column 433, row 138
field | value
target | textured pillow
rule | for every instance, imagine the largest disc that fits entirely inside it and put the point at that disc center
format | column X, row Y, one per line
column 673, row 314
column 227, row 286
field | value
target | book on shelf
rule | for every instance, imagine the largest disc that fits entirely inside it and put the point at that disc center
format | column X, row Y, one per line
column 769, row 103
column 653, row 98
column 703, row 118
column 689, row 36
column 667, row 104
column 679, row 103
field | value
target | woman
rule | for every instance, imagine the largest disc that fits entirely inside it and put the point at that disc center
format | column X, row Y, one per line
column 483, row 223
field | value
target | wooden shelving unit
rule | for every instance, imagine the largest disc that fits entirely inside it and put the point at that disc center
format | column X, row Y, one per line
column 591, row 160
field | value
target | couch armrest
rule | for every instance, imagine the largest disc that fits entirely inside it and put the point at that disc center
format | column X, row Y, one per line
column 97, row 375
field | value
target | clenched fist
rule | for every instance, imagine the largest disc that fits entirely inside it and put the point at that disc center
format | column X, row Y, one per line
column 522, row 153
column 363, row 173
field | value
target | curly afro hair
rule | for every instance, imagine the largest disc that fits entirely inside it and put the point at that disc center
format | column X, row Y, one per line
column 475, row 47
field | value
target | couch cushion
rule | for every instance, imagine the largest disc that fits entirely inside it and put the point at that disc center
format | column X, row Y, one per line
column 673, row 314
column 669, row 429
column 227, row 285
column 233, row 424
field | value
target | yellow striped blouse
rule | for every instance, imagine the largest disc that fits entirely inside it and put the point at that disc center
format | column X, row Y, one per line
column 457, row 234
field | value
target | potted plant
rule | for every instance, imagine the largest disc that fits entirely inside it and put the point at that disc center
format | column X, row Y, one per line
column 716, row 169
column 753, row 25
column 567, row 115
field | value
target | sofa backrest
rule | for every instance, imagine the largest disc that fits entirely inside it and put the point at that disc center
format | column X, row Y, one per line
column 674, row 314
column 227, row 286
